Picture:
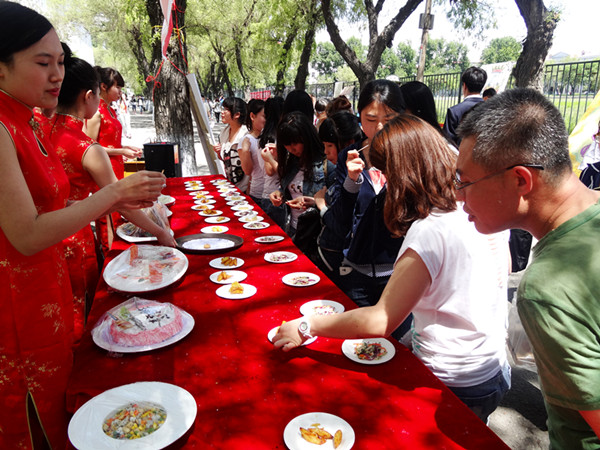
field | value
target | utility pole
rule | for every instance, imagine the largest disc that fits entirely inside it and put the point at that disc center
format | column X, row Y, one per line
column 425, row 23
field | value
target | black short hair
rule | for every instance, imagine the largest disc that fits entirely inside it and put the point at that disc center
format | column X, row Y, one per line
column 474, row 78
column 20, row 28
column 109, row 76
column 79, row 76
column 236, row 105
column 382, row 91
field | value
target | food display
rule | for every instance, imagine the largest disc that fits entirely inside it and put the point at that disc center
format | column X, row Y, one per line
column 134, row 421
column 369, row 351
column 301, row 279
column 319, row 429
column 223, row 276
column 229, row 261
column 316, row 434
column 236, row 288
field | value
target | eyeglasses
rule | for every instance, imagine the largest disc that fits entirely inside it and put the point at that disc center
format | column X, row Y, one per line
column 458, row 185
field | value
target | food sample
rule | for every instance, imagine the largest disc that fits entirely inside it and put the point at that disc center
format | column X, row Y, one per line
column 323, row 310
column 209, row 211
column 302, row 281
column 216, row 229
column 316, row 434
column 144, row 322
column 134, row 421
column 223, row 276
column 229, row 261
column 206, row 246
column 369, row 351
column 221, row 219
column 236, row 288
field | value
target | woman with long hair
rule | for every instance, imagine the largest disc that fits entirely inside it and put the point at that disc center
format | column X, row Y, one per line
column 88, row 167
column 252, row 162
column 452, row 278
column 36, row 324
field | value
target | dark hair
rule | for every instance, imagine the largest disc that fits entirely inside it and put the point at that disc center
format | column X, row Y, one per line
column 321, row 104
column 273, row 113
column 20, row 28
column 109, row 76
column 518, row 126
column 295, row 128
column 474, row 78
column 489, row 92
column 420, row 102
column 298, row 100
column 342, row 129
column 419, row 167
column 340, row 103
column 254, row 107
column 382, row 91
column 79, row 76
column 236, row 105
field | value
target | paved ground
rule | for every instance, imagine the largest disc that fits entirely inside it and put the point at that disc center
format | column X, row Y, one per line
column 520, row 421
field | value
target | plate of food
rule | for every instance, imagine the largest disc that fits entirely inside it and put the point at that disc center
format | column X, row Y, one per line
column 219, row 181
column 245, row 213
column 236, row 291
column 210, row 212
column 256, row 225
column 205, row 201
column 218, row 229
column 208, row 243
column 143, row 268
column 130, row 232
column 237, row 203
column 201, row 207
column 228, row 276
column 232, row 198
column 301, row 279
column 250, row 218
column 194, row 187
column 140, row 325
column 369, row 351
column 321, row 308
column 166, row 200
column 217, row 219
column 246, row 207
column 162, row 413
column 323, row 429
column 268, row 239
column 273, row 331
column 226, row 262
column 280, row 257
column 198, row 193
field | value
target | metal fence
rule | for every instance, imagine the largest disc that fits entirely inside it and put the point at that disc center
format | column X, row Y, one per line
column 570, row 86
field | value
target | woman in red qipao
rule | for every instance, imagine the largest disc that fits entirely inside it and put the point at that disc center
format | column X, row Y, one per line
column 35, row 294
column 105, row 128
column 88, row 167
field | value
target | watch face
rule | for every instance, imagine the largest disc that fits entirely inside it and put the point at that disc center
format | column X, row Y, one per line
column 303, row 327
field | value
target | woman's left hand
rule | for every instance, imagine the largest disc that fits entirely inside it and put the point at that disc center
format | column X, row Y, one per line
column 302, row 202
column 288, row 336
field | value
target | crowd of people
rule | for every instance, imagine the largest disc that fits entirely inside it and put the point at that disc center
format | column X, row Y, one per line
column 408, row 218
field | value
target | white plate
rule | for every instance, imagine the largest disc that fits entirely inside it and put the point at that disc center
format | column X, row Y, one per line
column 207, row 243
column 294, row 440
column 122, row 276
column 85, row 428
column 247, row 219
column 221, row 219
column 348, row 347
column 235, row 275
column 256, row 225
column 216, row 264
column 246, row 207
column 215, row 213
column 280, row 257
column 232, row 198
column 321, row 308
column 248, row 213
column 198, row 193
column 268, row 239
column 194, row 188
column 101, row 336
column 165, row 199
column 219, row 182
column 205, row 201
column 237, row 203
column 134, row 239
column 201, row 207
column 218, row 229
column 249, row 291
column 273, row 331
column 290, row 279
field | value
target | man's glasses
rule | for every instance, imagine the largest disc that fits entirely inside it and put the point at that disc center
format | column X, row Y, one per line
column 458, row 185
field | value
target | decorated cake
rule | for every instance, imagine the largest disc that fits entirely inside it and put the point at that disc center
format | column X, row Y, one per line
column 144, row 322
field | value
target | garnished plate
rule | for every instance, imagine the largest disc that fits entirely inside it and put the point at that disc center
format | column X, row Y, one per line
column 280, row 257
column 217, row 219
column 369, row 351
column 329, row 422
column 301, row 279
column 210, row 213
column 256, row 225
column 226, row 262
column 268, row 239
column 228, row 276
column 225, row 291
column 217, row 229
column 321, row 308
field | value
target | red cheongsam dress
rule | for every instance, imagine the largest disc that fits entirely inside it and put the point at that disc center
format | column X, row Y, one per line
column 36, row 309
column 109, row 136
column 70, row 144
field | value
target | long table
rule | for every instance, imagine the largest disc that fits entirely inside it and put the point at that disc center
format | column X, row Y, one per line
column 245, row 389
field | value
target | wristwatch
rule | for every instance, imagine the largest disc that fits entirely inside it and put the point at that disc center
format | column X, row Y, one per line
column 304, row 329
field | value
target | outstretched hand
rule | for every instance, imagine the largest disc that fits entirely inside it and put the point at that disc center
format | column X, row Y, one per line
column 354, row 164
column 138, row 190
column 288, row 336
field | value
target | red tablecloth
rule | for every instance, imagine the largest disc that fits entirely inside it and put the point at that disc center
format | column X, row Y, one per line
column 246, row 390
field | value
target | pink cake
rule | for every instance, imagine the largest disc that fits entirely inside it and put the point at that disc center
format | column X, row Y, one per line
column 145, row 323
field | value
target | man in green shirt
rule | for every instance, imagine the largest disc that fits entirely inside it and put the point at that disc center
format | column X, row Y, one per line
column 514, row 171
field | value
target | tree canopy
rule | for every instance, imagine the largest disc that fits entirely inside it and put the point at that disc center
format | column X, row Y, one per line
column 501, row 50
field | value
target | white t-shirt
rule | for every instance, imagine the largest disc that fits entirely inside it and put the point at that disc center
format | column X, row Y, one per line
column 230, row 155
column 257, row 177
column 459, row 328
column 295, row 188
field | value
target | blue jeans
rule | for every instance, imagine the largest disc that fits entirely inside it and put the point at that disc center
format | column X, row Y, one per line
column 484, row 398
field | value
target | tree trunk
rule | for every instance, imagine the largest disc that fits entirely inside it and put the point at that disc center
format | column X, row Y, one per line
column 365, row 71
column 540, row 22
column 172, row 117
column 282, row 65
column 309, row 40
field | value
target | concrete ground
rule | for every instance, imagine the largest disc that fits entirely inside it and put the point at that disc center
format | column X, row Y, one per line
column 520, row 420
